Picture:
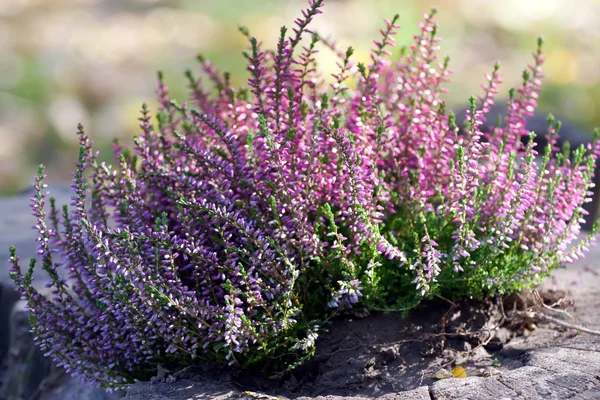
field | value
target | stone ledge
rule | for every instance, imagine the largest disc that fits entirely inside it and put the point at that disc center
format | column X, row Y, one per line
column 187, row 389
column 550, row 373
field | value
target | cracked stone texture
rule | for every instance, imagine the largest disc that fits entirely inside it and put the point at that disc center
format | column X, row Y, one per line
column 199, row 390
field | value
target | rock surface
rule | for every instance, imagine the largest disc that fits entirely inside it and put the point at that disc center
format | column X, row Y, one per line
column 197, row 389
column 26, row 367
column 8, row 297
column 63, row 387
column 551, row 373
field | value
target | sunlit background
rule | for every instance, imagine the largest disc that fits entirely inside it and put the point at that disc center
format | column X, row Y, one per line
column 95, row 61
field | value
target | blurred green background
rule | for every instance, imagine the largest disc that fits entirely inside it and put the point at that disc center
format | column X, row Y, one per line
column 94, row 61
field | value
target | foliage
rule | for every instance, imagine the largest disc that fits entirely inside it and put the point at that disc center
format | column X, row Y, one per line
column 246, row 217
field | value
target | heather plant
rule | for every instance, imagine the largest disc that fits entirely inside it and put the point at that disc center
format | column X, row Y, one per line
column 474, row 214
column 244, row 218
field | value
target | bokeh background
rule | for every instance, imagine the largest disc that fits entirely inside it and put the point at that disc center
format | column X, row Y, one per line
column 95, row 61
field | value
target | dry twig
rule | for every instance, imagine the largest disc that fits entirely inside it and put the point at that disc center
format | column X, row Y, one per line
column 539, row 311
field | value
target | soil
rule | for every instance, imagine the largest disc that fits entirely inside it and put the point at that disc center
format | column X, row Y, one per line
column 389, row 353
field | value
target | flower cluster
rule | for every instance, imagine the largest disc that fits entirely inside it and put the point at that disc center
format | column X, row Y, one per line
column 243, row 218
column 474, row 213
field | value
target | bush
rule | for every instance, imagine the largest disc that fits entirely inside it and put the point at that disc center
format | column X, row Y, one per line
column 247, row 217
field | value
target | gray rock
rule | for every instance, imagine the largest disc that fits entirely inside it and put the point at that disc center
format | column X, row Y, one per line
column 8, row 297
column 194, row 390
column 550, row 373
column 503, row 335
column 592, row 394
column 183, row 390
column 66, row 387
column 421, row 393
column 25, row 365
